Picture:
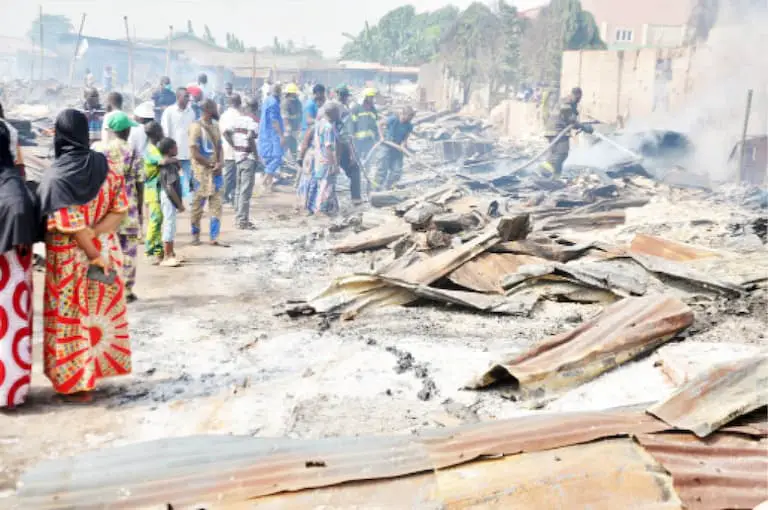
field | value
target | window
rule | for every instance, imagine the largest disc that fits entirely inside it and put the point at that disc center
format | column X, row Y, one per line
column 623, row 35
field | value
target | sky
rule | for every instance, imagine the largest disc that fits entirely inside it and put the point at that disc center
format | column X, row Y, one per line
column 256, row 22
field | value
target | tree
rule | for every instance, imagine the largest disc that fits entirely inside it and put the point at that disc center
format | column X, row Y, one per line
column 562, row 25
column 234, row 44
column 54, row 25
column 190, row 30
column 207, row 35
column 472, row 48
column 401, row 37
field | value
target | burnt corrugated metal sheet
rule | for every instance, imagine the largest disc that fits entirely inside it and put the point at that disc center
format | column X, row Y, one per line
column 622, row 332
column 485, row 273
column 657, row 246
column 628, row 478
column 717, row 396
column 721, row 471
column 187, row 471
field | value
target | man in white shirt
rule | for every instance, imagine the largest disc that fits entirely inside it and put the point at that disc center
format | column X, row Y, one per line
column 176, row 121
column 114, row 105
column 137, row 140
column 240, row 134
column 226, row 122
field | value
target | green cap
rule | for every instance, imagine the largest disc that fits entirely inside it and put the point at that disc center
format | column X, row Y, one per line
column 119, row 121
column 342, row 90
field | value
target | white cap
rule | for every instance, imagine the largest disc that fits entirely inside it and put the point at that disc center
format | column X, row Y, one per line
column 145, row 110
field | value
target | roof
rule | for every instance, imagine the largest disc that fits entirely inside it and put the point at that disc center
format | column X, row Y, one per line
column 632, row 14
column 111, row 43
column 354, row 65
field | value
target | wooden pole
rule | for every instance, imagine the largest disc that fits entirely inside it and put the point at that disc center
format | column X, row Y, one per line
column 77, row 48
column 130, row 61
column 253, row 73
column 743, row 151
column 42, row 51
column 168, row 52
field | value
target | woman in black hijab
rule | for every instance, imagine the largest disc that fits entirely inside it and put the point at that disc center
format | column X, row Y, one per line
column 19, row 229
column 83, row 200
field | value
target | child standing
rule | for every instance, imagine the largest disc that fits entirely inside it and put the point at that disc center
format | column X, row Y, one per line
column 153, row 246
column 170, row 198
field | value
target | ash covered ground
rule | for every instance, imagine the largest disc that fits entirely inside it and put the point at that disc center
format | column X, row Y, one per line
column 212, row 357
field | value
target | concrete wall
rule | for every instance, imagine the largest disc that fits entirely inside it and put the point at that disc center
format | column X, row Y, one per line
column 516, row 120
column 630, row 83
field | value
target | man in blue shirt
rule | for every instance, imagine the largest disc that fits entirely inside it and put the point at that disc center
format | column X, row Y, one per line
column 271, row 137
column 163, row 97
column 390, row 163
column 312, row 107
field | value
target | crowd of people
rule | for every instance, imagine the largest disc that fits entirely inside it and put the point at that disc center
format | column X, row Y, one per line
column 186, row 147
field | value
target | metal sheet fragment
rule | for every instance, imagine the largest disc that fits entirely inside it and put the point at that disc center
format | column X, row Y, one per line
column 645, row 244
column 717, row 396
column 622, row 332
column 721, row 471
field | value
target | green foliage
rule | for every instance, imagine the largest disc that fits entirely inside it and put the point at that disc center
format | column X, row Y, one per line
column 54, row 25
column 562, row 25
column 401, row 37
column 483, row 45
column 235, row 44
column 207, row 35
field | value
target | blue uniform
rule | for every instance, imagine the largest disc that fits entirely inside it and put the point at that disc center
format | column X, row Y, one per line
column 270, row 150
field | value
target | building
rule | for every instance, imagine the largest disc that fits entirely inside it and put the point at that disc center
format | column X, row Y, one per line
column 20, row 59
column 630, row 24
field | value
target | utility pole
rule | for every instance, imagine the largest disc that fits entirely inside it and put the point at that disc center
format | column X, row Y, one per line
column 168, row 52
column 77, row 48
column 743, row 152
column 130, row 61
column 42, row 51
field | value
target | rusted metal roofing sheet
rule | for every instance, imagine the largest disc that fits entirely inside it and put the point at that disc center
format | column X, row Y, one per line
column 628, row 478
column 485, row 273
column 670, row 250
column 620, row 333
column 219, row 469
column 607, row 475
column 721, row 471
column 717, row 396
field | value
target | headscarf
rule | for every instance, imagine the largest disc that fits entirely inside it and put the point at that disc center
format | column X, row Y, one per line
column 19, row 216
column 77, row 174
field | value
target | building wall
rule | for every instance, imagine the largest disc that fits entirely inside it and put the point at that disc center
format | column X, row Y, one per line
column 619, row 85
column 644, row 23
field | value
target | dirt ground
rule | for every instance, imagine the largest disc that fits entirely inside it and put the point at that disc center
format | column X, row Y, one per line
column 210, row 356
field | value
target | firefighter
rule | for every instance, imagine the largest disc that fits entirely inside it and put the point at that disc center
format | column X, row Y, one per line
column 364, row 123
column 567, row 115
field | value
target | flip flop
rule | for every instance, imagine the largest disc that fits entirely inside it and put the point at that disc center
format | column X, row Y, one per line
column 220, row 244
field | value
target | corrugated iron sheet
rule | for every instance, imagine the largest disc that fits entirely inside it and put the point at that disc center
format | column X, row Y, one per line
column 622, row 332
column 721, row 471
column 717, row 396
column 485, row 273
column 188, row 471
column 564, row 478
column 670, row 250
column 608, row 475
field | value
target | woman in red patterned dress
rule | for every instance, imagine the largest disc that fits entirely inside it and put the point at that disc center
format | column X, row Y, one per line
column 19, row 220
column 86, row 328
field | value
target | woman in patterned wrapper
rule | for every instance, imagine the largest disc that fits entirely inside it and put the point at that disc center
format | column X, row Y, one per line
column 19, row 229
column 83, row 202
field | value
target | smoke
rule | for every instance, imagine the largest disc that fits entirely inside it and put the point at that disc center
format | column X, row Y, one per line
column 731, row 62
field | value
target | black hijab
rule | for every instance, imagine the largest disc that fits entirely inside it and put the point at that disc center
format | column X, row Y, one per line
column 78, row 172
column 19, row 214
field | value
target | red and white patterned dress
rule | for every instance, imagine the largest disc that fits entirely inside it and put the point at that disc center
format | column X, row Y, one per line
column 86, row 327
column 15, row 325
